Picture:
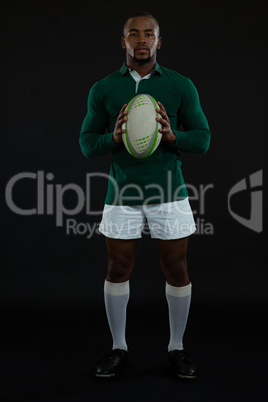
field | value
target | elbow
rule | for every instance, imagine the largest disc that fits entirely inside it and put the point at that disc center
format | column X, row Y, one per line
column 204, row 149
column 86, row 154
column 204, row 146
column 85, row 148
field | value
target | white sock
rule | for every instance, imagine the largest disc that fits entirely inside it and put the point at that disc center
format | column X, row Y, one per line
column 116, row 296
column 179, row 299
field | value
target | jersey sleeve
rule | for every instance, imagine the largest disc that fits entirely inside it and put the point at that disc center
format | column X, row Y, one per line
column 93, row 140
column 196, row 134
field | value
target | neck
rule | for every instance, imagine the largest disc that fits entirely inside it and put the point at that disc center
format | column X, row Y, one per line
column 142, row 69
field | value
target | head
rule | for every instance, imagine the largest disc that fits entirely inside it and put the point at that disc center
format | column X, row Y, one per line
column 141, row 38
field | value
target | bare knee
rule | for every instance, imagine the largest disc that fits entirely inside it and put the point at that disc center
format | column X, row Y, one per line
column 119, row 269
column 175, row 269
column 173, row 261
column 121, row 256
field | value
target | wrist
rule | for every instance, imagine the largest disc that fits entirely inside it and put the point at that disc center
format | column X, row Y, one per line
column 173, row 138
column 117, row 140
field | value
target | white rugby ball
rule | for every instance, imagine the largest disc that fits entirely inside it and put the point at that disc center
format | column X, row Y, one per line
column 141, row 136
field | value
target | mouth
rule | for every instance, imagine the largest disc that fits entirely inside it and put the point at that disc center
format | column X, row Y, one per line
column 142, row 49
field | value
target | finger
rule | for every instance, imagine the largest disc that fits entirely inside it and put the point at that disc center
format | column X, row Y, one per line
column 123, row 108
column 163, row 121
column 122, row 115
column 122, row 120
column 163, row 130
column 163, row 113
column 162, row 106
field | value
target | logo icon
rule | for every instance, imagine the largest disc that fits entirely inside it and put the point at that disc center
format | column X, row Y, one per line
column 255, row 221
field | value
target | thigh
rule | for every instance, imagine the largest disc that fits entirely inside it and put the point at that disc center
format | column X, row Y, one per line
column 173, row 249
column 120, row 248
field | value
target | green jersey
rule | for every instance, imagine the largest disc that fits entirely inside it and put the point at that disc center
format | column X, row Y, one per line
column 158, row 178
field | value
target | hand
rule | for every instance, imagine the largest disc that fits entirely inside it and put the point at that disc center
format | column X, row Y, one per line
column 166, row 131
column 118, row 131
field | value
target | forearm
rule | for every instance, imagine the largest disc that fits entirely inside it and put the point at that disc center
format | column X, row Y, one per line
column 94, row 144
column 196, row 141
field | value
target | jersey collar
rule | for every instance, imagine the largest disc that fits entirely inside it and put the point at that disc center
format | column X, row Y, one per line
column 156, row 70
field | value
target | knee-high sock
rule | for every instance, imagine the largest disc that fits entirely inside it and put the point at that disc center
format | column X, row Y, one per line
column 116, row 296
column 179, row 299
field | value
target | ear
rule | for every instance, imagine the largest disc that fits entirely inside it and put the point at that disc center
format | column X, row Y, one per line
column 123, row 42
column 159, row 42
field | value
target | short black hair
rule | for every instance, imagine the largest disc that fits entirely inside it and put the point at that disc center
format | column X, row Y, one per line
column 141, row 14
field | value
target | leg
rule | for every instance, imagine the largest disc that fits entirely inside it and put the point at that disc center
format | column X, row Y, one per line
column 173, row 261
column 178, row 294
column 121, row 255
column 178, row 287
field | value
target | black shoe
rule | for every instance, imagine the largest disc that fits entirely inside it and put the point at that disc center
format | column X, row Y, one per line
column 109, row 365
column 182, row 364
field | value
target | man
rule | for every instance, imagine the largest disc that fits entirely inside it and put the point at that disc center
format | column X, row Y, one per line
column 149, row 189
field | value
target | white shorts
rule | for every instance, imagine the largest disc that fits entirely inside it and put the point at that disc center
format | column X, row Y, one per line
column 171, row 220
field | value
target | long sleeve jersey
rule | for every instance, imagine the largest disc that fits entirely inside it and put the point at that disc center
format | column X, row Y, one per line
column 158, row 178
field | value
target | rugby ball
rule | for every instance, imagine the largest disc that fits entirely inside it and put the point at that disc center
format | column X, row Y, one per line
column 141, row 136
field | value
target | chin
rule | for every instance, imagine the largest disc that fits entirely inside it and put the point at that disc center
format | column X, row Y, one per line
column 142, row 60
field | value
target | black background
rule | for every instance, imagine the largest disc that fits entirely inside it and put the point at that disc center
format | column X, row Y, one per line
column 52, row 282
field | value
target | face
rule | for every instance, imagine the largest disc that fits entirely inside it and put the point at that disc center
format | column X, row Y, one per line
column 141, row 39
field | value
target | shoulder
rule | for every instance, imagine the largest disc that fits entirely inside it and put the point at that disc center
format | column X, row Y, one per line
column 183, row 84
column 167, row 72
column 103, row 84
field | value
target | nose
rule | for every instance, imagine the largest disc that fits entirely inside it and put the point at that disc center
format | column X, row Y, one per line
column 142, row 39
